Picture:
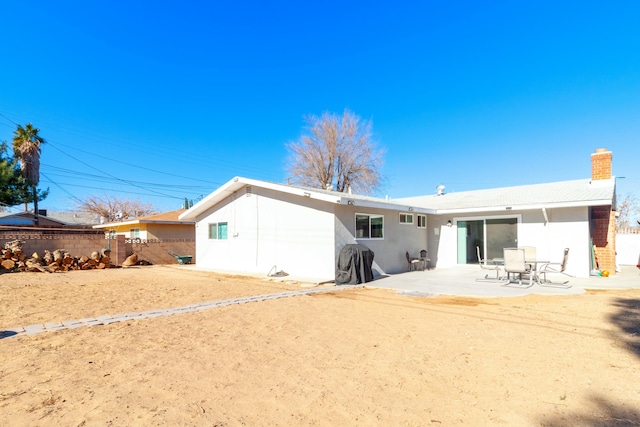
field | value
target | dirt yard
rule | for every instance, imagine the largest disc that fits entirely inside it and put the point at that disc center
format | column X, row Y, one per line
column 345, row 358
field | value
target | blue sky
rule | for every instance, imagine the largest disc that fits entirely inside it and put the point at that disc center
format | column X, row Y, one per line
column 158, row 101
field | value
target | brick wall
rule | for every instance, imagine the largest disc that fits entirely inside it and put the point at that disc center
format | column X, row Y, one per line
column 601, row 164
column 603, row 222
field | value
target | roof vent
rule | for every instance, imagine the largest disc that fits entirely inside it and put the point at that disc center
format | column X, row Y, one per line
column 440, row 190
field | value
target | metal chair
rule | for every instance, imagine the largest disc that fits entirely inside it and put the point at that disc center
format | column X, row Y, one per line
column 554, row 267
column 514, row 262
column 495, row 267
column 413, row 262
column 425, row 260
column 529, row 254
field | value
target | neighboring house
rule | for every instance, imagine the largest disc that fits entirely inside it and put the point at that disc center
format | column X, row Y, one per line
column 26, row 219
column 259, row 227
column 162, row 226
column 75, row 218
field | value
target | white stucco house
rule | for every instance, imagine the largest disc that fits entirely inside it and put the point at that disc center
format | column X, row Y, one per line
column 253, row 226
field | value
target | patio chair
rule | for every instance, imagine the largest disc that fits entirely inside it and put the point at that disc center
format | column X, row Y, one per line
column 514, row 262
column 413, row 262
column 494, row 267
column 554, row 267
column 425, row 260
column 529, row 254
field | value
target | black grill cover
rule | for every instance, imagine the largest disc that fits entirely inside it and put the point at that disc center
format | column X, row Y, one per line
column 353, row 265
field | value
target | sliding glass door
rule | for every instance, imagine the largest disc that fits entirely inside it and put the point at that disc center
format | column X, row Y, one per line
column 490, row 235
column 501, row 233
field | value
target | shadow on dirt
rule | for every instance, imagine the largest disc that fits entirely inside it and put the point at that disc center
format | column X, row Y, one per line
column 627, row 319
column 603, row 413
column 7, row 334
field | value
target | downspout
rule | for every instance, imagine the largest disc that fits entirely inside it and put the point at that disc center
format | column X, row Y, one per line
column 546, row 218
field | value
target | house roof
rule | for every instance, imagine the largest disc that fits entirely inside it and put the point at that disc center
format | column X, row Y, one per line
column 583, row 192
column 577, row 193
column 27, row 218
column 328, row 196
column 75, row 218
column 171, row 217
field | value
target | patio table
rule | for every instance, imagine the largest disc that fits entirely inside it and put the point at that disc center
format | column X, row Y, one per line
column 534, row 264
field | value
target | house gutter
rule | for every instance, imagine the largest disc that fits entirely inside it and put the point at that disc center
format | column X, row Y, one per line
column 578, row 204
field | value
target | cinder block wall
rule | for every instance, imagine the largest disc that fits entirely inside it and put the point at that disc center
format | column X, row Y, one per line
column 157, row 252
column 77, row 245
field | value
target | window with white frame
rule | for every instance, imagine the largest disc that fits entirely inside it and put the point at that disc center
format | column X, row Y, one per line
column 422, row 221
column 218, row 231
column 134, row 233
column 406, row 218
column 369, row 226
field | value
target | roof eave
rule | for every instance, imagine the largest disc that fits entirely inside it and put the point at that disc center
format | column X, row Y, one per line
column 373, row 204
column 577, row 204
column 116, row 224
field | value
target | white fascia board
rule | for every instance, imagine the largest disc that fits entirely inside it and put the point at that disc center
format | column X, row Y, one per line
column 223, row 191
column 151, row 221
column 588, row 203
column 382, row 204
column 138, row 222
column 117, row 224
column 238, row 183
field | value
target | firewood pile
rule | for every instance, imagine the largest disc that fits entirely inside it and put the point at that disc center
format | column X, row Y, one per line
column 13, row 258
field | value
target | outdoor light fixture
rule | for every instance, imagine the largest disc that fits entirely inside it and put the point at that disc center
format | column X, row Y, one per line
column 350, row 202
column 410, row 209
column 449, row 223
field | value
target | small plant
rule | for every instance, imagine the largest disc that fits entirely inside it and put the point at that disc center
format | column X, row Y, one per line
column 564, row 396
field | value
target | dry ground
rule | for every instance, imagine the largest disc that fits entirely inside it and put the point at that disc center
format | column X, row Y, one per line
column 347, row 358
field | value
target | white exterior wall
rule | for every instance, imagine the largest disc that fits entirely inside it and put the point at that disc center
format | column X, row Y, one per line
column 567, row 228
column 628, row 249
column 389, row 252
column 267, row 231
column 443, row 241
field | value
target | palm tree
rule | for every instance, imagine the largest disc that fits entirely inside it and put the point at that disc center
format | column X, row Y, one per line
column 26, row 148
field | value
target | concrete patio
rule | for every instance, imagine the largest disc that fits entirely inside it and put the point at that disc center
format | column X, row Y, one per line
column 463, row 281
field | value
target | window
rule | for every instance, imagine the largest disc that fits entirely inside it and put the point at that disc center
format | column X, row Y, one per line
column 406, row 218
column 134, row 233
column 422, row 221
column 218, row 231
column 369, row 226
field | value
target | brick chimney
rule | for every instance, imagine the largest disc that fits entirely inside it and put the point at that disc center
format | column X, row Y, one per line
column 603, row 219
column 601, row 164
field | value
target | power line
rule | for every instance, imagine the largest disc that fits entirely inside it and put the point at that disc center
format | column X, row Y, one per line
column 73, row 197
column 108, row 178
column 9, row 119
column 108, row 174
column 136, row 166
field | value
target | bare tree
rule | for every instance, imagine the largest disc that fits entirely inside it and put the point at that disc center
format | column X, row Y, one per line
column 338, row 152
column 628, row 211
column 112, row 209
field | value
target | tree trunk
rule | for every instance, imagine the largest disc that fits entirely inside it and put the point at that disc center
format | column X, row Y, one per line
column 36, row 219
column 8, row 264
